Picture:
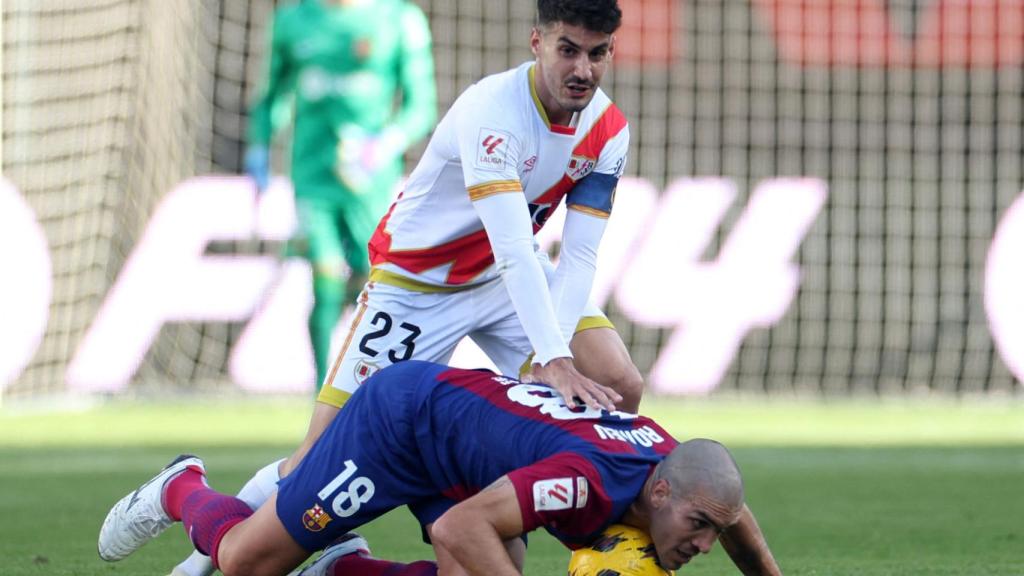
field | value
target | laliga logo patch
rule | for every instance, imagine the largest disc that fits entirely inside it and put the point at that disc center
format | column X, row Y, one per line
column 579, row 167
column 560, row 493
column 364, row 370
column 315, row 519
column 492, row 149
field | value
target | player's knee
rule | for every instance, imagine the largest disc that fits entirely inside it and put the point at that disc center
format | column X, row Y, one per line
column 629, row 383
column 228, row 565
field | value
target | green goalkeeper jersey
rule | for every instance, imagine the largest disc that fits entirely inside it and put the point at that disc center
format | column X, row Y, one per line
column 346, row 65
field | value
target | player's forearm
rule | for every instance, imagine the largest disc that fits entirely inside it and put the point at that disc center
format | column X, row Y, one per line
column 509, row 230
column 528, row 289
column 472, row 542
column 577, row 265
column 747, row 547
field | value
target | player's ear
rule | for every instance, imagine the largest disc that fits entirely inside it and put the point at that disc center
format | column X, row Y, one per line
column 535, row 37
column 611, row 47
column 661, row 493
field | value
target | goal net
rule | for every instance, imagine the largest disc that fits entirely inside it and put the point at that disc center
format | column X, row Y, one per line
column 814, row 194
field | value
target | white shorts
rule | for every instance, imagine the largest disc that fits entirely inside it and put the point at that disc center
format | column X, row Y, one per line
column 393, row 324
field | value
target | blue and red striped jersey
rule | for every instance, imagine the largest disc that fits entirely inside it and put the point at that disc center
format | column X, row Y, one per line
column 575, row 470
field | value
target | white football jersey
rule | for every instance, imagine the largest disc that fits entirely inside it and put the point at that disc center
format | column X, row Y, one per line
column 496, row 138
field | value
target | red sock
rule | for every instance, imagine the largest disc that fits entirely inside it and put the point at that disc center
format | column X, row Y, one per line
column 207, row 516
column 356, row 565
column 180, row 487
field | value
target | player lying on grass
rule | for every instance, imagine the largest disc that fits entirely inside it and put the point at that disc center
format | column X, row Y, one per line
column 480, row 459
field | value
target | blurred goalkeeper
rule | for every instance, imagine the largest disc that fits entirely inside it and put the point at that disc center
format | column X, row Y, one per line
column 480, row 459
column 344, row 61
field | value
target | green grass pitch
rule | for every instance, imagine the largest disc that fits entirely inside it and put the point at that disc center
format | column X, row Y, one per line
column 860, row 489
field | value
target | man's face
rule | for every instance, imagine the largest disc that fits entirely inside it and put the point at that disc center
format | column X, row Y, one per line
column 570, row 63
column 681, row 528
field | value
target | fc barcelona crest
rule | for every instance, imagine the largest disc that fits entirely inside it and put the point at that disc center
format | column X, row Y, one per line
column 315, row 519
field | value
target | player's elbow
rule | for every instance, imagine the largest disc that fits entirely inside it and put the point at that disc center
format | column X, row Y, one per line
column 444, row 532
column 454, row 531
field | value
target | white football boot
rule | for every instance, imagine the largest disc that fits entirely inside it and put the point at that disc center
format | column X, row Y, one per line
column 350, row 543
column 140, row 516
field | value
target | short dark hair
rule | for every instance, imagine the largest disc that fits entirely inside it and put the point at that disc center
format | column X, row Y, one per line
column 597, row 15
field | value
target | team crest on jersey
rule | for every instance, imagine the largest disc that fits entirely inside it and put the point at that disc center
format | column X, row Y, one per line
column 560, row 494
column 580, row 166
column 316, row 519
column 364, row 370
column 492, row 149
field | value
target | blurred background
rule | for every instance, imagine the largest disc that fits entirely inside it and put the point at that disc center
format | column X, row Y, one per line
column 823, row 198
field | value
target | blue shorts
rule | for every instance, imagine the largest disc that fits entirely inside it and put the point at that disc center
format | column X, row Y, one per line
column 365, row 464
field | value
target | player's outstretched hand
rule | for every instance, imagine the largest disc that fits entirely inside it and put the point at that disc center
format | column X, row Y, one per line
column 574, row 387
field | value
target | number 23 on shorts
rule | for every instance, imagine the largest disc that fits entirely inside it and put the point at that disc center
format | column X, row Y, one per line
column 383, row 324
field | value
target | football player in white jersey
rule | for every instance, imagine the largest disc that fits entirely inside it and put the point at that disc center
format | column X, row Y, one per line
column 455, row 256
